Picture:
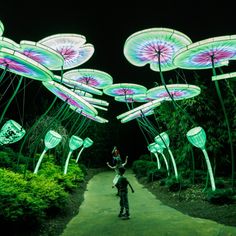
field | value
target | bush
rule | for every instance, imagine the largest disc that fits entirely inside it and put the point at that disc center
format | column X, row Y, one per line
column 220, row 196
column 141, row 167
column 155, row 174
column 18, row 203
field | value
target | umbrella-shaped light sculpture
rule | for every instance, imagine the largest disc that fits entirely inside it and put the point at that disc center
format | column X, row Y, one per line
column 74, row 143
column 157, row 47
column 95, row 78
column 86, row 144
column 77, row 85
column 177, row 91
column 43, row 54
column 72, row 47
column 126, row 90
column 51, row 140
column 197, row 137
column 163, row 140
column 11, row 132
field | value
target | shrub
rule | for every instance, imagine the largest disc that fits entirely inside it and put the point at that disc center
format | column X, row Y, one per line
column 220, row 196
column 141, row 167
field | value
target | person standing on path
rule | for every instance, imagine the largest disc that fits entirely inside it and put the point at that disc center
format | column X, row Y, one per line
column 116, row 168
column 122, row 185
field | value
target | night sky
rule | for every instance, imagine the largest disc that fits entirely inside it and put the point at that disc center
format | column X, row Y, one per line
column 107, row 29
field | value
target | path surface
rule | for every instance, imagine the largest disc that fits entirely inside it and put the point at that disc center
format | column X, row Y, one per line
column 98, row 215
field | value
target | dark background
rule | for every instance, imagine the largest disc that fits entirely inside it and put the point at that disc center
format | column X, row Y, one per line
column 107, row 28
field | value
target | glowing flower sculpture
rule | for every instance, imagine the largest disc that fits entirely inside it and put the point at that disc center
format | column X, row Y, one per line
column 51, row 140
column 124, row 89
column 95, row 78
column 209, row 54
column 72, row 47
column 157, row 47
column 86, row 144
column 76, row 85
column 74, row 143
column 177, row 91
column 42, row 54
column 11, row 132
column 163, row 140
column 197, row 137
column 152, row 149
column 156, row 148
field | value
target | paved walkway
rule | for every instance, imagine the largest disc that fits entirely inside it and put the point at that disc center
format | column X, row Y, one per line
column 149, row 217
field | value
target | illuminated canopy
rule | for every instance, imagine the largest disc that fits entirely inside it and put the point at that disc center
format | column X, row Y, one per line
column 145, row 47
column 69, row 97
column 144, row 108
column 137, row 114
column 42, row 54
column 177, row 91
column 77, row 85
column 22, row 65
column 201, row 54
column 72, row 47
column 124, row 89
column 94, row 78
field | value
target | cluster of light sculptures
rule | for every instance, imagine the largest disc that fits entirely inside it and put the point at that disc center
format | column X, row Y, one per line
column 40, row 61
column 164, row 49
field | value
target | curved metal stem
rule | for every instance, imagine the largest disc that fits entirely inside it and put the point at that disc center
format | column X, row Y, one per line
column 226, row 119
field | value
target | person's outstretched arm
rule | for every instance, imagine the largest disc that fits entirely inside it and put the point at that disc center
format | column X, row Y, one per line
column 112, row 167
column 126, row 160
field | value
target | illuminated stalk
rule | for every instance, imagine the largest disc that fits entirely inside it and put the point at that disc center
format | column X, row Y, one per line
column 67, row 161
column 39, row 161
column 226, row 118
column 10, row 100
column 171, row 97
column 173, row 162
column 158, row 161
column 79, row 154
column 166, row 163
column 213, row 187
